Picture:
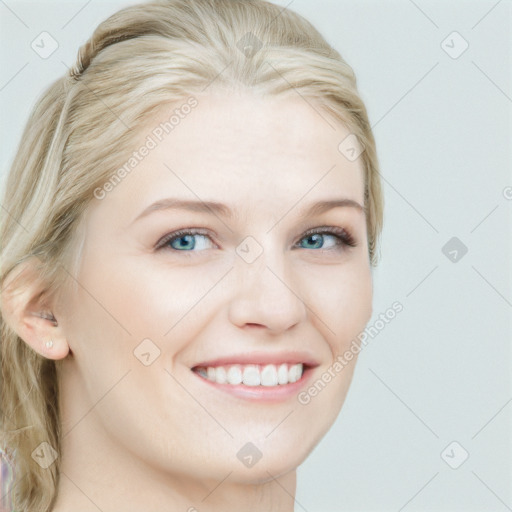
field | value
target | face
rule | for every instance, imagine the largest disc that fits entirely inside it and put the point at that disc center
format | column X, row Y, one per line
column 170, row 294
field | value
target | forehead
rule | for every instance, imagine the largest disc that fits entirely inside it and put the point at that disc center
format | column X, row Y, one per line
column 240, row 150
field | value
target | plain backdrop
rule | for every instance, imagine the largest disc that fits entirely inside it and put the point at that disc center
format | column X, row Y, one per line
column 427, row 424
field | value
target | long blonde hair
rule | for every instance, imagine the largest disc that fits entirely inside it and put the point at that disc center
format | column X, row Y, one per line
column 85, row 125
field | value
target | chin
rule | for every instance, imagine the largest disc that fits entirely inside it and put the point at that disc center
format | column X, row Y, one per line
column 276, row 457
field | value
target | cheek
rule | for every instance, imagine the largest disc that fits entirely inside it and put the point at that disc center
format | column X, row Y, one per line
column 151, row 297
column 165, row 298
column 341, row 299
column 141, row 294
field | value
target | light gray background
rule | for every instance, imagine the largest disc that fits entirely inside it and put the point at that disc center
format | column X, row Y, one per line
column 441, row 370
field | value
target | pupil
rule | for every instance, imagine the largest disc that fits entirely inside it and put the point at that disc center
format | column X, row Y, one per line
column 311, row 239
column 185, row 241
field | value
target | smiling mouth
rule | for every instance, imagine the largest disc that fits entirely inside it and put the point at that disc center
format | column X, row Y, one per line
column 253, row 375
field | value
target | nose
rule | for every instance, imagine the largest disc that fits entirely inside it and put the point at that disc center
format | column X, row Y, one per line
column 266, row 295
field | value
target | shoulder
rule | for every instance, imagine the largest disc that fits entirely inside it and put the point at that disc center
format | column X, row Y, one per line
column 6, row 480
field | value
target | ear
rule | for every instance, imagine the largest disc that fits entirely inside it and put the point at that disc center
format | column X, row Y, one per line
column 24, row 310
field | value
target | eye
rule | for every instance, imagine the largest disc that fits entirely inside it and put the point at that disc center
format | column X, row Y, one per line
column 196, row 240
column 338, row 237
column 184, row 240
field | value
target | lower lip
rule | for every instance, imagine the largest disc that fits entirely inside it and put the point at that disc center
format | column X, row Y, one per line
column 277, row 393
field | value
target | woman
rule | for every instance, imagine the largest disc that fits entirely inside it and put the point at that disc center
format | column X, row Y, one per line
column 193, row 218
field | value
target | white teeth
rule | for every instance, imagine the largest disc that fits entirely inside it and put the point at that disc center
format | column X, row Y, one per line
column 269, row 375
column 282, row 374
column 253, row 375
column 234, row 374
column 219, row 375
column 295, row 373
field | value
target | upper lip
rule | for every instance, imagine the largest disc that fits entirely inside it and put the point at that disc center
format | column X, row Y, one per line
column 261, row 358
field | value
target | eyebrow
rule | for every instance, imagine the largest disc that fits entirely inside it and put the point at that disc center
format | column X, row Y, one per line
column 222, row 210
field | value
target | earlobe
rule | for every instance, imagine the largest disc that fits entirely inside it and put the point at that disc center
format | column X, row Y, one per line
column 24, row 312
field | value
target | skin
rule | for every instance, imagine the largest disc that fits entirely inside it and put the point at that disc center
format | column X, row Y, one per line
column 138, row 437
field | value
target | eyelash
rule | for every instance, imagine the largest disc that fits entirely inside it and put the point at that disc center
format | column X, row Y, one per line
column 344, row 238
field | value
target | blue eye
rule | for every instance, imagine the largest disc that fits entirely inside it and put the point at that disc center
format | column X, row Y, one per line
column 185, row 240
column 318, row 241
column 340, row 238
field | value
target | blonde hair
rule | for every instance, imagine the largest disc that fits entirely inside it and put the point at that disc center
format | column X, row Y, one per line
column 85, row 125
